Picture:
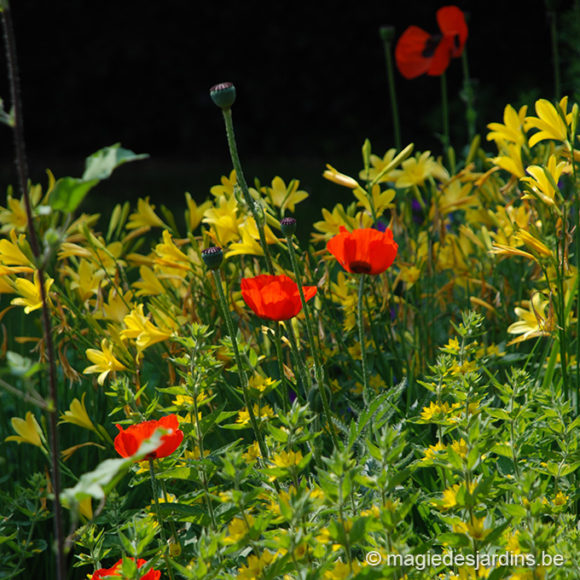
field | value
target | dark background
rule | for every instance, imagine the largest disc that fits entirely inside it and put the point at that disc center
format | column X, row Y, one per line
column 310, row 77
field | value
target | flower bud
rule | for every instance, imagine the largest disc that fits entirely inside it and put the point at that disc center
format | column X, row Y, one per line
column 288, row 226
column 387, row 33
column 212, row 257
column 223, row 95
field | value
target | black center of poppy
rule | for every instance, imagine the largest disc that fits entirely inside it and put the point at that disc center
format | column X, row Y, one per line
column 431, row 45
column 360, row 267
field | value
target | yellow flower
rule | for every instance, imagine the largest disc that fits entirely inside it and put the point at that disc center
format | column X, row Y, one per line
column 460, row 447
column 432, row 451
column 330, row 225
column 87, row 281
column 416, row 170
column 28, row 430
column 438, row 411
column 339, row 178
column 30, row 296
column 252, row 453
column 168, row 254
column 259, row 412
column 117, row 305
column 552, row 124
column 149, row 285
column 144, row 217
column 77, row 414
column 450, row 496
column 14, row 215
column 543, row 180
column 287, row 459
column 378, row 165
column 511, row 159
column 513, row 128
column 226, row 189
column 533, row 321
column 534, row 244
column 12, row 258
column 194, row 213
column 513, row 543
column 341, row 571
column 474, row 528
column 224, row 220
column 142, row 329
column 255, row 566
column 560, row 499
column 381, row 200
column 104, row 361
column 284, row 196
column 238, row 528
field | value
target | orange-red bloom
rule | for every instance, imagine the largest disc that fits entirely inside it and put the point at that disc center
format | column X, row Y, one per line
column 115, row 571
column 418, row 52
column 363, row 251
column 128, row 441
column 274, row 297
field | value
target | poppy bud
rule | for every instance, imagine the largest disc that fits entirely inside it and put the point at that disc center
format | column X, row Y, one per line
column 288, row 226
column 387, row 33
column 212, row 257
column 223, row 95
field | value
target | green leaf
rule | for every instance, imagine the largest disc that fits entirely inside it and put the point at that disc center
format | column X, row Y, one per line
column 100, row 165
column 69, row 192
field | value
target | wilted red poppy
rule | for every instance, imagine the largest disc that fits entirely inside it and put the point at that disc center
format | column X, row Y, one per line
column 128, row 441
column 274, row 297
column 418, row 52
column 115, row 571
column 363, row 251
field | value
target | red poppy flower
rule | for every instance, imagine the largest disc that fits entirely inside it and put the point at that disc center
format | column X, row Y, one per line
column 363, row 251
column 418, row 52
column 128, row 441
column 115, row 572
column 274, row 297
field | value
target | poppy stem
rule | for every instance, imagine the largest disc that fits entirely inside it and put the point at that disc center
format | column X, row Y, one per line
column 304, row 373
column 283, row 380
column 227, row 113
column 361, row 338
column 319, row 372
column 468, row 96
column 445, row 113
column 155, row 491
column 392, row 91
column 239, row 364
column 22, row 171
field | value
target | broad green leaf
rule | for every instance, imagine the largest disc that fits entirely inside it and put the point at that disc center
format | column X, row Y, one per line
column 69, row 192
column 100, row 165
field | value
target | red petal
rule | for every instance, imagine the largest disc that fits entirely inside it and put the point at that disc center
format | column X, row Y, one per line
column 441, row 57
column 452, row 24
column 409, row 52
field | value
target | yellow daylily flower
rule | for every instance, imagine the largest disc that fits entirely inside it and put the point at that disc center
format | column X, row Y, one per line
column 11, row 255
column 149, row 285
column 330, row 224
column 378, row 165
column 224, row 220
column 543, row 180
column 550, row 123
column 145, row 216
column 416, row 170
column 88, row 280
column 28, row 430
column 117, row 305
column 533, row 320
column 512, row 130
column 284, row 196
column 168, row 254
column 104, row 361
column 226, row 187
column 339, row 178
column 142, row 329
column 14, row 215
column 30, row 296
column 77, row 414
column 511, row 160
column 194, row 213
column 381, row 200
column 534, row 244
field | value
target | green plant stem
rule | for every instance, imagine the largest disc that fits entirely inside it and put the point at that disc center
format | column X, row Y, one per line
column 155, row 491
column 313, row 348
column 22, row 170
column 241, row 372
column 283, row 381
column 227, row 113
column 470, row 113
column 304, row 373
column 392, row 94
column 445, row 113
column 361, row 338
